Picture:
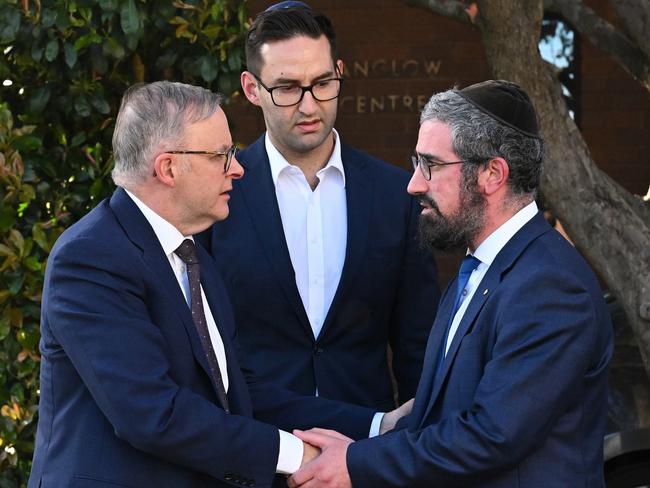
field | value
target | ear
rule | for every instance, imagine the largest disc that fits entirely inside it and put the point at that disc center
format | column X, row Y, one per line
column 340, row 66
column 165, row 170
column 494, row 176
column 250, row 88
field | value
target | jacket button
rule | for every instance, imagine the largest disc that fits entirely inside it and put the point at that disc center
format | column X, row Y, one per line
column 318, row 351
column 228, row 477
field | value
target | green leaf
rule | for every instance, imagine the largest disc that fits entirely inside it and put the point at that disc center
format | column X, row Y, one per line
column 78, row 139
column 7, row 218
column 32, row 263
column 38, row 234
column 234, row 60
column 6, row 251
column 27, row 143
column 70, row 54
column 9, row 23
column 82, row 106
column 98, row 59
column 129, row 18
column 166, row 60
column 17, row 239
column 62, row 19
column 37, row 51
column 15, row 283
column 48, row 17
column 108, row 5
column 38, row 100
column 28, row 339
column 5, row 327
column 85, row 41
column 113, row 48
column 100, row 104
column 96, row 188
column 209, row 67
column 52, row 50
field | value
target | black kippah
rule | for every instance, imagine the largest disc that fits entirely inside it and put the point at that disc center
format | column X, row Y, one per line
column 288, row 4
column 506, row 102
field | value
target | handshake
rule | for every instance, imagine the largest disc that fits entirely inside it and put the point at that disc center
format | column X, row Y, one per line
column 324, row 457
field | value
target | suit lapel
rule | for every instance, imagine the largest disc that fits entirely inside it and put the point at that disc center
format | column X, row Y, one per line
column 142, row 235
column 504, row 260
column 259, row 195
column 358, row 194
column 423, row 394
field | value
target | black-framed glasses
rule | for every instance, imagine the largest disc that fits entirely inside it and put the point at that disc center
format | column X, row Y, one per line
column 288, row 95
column 232, row 150
column 425, row 164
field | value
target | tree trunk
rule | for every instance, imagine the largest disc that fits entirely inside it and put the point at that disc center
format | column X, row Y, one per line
column 609, row 226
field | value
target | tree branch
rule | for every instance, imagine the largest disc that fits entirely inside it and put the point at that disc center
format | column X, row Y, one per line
column 448, row 8
column 635, row 17
column 605, row 37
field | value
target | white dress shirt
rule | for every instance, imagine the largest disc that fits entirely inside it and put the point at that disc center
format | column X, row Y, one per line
column 291, row 448
column 315, row 225
column 486, row 252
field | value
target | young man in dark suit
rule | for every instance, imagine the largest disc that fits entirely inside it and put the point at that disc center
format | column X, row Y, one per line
column 514, row 388
column 320, row 254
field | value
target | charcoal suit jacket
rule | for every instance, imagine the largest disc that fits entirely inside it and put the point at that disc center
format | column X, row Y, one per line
column 387, row 294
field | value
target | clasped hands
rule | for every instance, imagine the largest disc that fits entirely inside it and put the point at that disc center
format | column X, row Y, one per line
column 324, row 459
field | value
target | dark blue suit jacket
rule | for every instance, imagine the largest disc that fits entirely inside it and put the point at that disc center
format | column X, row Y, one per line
column 126, row 399
column 520, row 400
column 388, row 291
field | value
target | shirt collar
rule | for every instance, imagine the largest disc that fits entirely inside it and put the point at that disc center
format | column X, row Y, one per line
column 279, row 163
column 168, row 235
column 493, row 244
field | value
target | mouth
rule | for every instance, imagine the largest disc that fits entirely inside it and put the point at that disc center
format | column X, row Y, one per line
column 308, row 126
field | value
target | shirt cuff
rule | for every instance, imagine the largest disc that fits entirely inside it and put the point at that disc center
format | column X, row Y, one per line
column 290, row 456
column 376, row 423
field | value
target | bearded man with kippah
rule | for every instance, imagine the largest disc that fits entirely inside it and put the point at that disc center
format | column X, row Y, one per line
column 514, row 387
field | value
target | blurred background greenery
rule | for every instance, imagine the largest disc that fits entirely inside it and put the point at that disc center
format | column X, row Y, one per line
column 63, row 68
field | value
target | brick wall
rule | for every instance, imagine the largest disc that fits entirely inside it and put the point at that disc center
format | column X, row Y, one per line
column 397, row 56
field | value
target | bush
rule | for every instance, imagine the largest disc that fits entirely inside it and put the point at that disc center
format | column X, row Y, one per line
column 65, row 66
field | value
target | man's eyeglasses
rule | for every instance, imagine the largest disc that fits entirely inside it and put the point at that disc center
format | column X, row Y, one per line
column 229, row 155
column 288, row 95
column 425, row 164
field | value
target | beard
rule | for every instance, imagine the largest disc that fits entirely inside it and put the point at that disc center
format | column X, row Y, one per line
column 457, row 230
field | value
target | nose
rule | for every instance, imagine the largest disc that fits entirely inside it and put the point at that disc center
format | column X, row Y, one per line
column 417, row 184
column 236, row 170
column 308, row 104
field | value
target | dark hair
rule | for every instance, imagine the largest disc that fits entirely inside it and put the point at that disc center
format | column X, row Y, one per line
column 283, row 24
column 477, row 137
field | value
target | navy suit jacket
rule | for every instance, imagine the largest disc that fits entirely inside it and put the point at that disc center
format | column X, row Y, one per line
column 520, row 399
column 126, row 398
column 388, row 293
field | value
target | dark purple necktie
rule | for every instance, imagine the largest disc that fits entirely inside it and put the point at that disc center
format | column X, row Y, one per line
column 187, row 253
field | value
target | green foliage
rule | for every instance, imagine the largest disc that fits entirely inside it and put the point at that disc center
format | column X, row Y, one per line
column 69, row 63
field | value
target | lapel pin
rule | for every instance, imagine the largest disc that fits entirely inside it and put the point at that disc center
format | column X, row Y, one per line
column 485, row 292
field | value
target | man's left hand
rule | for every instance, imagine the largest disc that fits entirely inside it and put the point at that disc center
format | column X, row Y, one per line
column 329, row 469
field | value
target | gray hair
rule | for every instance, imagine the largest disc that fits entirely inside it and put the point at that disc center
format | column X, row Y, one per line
column 153, row 117
column 476, row 137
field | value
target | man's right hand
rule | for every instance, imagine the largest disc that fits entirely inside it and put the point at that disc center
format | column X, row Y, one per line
column 309, row 453
column 391, row 418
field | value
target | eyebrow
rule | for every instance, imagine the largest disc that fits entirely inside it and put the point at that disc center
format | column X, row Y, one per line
column 430, row 157
column 326, row 75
